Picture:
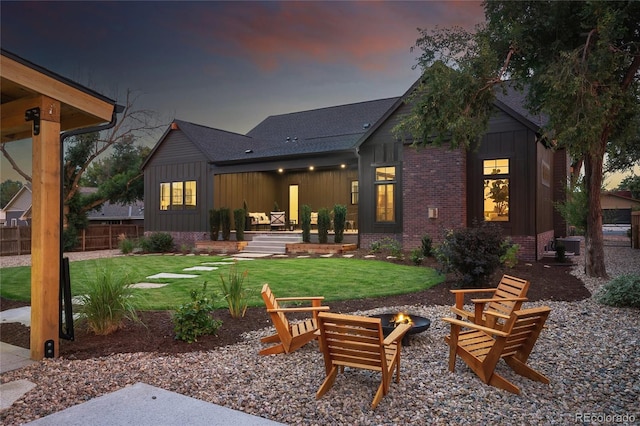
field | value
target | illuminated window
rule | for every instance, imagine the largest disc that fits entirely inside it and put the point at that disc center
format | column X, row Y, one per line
column 385, row 185
column 178, row 195
column 496, row 190
column 354, row 192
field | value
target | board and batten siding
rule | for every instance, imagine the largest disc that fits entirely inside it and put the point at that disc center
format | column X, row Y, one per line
column 163, row 167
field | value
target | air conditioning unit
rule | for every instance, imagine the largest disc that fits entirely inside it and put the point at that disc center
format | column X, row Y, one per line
column 433, row 212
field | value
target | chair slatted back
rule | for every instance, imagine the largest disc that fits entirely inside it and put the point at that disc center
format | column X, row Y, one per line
column 509, row 287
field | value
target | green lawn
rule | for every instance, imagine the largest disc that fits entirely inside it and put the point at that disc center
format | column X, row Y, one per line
column 333, row 278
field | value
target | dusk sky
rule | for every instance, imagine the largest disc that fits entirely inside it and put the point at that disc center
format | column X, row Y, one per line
column 228, row 65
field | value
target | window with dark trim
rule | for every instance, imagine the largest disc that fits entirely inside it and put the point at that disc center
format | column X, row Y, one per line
column 496, row 189
column 178, row 195
column 385, row 189
column 354, row 192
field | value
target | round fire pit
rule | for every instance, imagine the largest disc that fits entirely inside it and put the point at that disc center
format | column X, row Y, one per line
column 419, row 324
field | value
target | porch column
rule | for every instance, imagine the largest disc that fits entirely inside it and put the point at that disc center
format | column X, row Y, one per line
column 45, row 229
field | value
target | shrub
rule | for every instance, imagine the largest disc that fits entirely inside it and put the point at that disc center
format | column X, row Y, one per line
column 427, row 248
column 193, row 319
column 239, row 219
column 108, row 301
column 389, row 244
column 214, row 224
column 510, row 256
column 473, row 253
column 339, row 219
column 324, row 223
column 622, row 291
column 125, row 245
column 158, row 242
column 234, row 291
column 305, row 223
column 225, row 223
column 416, row 256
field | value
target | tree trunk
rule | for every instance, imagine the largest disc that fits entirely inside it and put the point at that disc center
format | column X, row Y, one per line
column 594, row 244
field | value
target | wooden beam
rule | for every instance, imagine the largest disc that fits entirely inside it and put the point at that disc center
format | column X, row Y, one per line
column 56, row 89
column 45, row 236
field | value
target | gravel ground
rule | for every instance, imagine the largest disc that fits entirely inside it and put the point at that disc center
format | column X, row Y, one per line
column 588, row 351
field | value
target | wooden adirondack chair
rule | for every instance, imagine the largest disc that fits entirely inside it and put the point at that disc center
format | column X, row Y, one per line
column 482, row 347
column 507, row 297
column 356, row 341
column 290, row 337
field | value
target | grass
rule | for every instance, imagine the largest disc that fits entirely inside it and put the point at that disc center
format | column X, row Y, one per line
column 334, row 278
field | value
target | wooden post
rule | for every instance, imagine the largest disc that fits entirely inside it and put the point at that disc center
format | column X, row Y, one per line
column 45, row 235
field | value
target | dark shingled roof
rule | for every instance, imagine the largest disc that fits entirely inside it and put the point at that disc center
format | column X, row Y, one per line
column 216, row 144
column 516, row 100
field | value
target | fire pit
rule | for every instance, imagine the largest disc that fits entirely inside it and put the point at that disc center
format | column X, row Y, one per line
column 390, row 321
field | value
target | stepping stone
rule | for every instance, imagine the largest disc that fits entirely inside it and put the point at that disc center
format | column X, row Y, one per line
column 240, row 258
column 201, row 268
column 170, row 275
column 348, row 256
column 370, row 256
column 280, row 256
column 217, row 263
column 148, row 285
column 303, row 257
column 327, row 255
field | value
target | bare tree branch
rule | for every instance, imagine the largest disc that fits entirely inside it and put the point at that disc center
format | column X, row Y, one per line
column 14, row 165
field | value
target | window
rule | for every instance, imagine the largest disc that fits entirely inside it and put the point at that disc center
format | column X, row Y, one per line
column 385, row 185
column 178, row 195
column 354, row 192
column 496, row 190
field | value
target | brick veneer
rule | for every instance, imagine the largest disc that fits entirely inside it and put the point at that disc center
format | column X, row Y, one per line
column 433, row 177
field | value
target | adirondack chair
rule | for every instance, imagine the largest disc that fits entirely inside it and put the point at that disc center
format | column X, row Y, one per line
column 290, row 336
column 482, row 347
column 356, row 341
column 507, row 297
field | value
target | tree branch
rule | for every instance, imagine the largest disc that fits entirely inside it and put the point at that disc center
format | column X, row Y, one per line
column 14, row 165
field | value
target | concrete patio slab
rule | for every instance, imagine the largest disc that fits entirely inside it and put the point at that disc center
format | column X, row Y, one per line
column 148, row 285
column 10, row 392
column 13, row 357
column 170, row 275
column 21, row 315
column 200, row 268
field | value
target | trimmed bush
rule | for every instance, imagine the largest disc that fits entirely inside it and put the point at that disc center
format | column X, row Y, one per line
column 214, row 224
column 510, row 256
column 305, row 223
column 239, row 216
column 193, row 319
column 324, row 223
column 417, row 256
column 225, row 223
column 427, row 246
column 472, row 253
column 339, row 219
column 622, row 291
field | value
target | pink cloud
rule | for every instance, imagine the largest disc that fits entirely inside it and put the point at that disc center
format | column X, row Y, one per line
column 367, row 35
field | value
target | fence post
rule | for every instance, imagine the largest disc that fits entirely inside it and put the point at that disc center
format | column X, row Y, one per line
column 84, row 240
column 110, row 237
column 18, row 239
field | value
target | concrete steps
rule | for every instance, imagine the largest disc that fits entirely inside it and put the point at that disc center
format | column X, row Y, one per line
column 271, row 243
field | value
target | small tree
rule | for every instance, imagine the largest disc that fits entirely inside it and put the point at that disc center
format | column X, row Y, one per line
column 239, row 218
column 305, row 222
column 214, row 224
column 324, row 223
column 225, row 223
column 339, row 219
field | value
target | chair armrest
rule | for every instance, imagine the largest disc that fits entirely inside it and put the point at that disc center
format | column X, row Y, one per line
column 472, row 290
column 303, row 309
column 397, row 334
column 496, row 314
column 474, row 326
column 461, row 312
column 285, row 299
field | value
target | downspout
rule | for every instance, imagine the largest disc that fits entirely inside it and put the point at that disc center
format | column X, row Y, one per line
column 68, row 333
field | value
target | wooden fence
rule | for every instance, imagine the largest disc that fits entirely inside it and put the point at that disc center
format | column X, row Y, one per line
column 16, row 240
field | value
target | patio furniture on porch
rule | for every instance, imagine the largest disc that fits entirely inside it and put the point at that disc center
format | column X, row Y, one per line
column 507, row 297
column 278, row 220
column 258, row 220
column 290, row 336
column 482, row 347
column 314, row 219
column 358, row 342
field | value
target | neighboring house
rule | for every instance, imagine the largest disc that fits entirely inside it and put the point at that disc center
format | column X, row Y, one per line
column 17, row 212
column 617, row 207
column 348, row 155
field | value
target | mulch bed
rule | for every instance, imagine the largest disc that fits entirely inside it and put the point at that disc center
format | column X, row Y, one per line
column 549, row 281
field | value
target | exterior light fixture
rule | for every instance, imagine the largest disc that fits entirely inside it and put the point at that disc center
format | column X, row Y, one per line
column 280, row 170
column 311, row 168
column 343, row 166
column 248, row 151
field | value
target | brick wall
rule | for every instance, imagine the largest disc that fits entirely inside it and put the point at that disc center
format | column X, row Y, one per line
column 433, row 177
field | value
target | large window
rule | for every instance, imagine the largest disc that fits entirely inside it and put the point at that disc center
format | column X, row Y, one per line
column 496, row 190
column 354, row 192
column 385, row 185
column 178, row 195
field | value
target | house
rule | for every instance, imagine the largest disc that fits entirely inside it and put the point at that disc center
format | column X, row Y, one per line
column 348, row 155
column 617, row 207
column 17, row 212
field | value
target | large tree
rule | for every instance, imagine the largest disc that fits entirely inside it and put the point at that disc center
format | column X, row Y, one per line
column 8, row 189
column 579, row 62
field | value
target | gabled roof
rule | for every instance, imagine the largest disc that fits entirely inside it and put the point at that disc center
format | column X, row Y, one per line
column 514, row 101
column 110, row 211
column 22, row 197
